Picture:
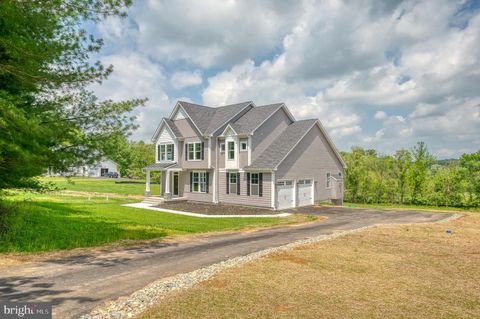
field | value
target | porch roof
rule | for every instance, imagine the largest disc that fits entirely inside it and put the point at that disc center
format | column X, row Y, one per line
column 160, row 166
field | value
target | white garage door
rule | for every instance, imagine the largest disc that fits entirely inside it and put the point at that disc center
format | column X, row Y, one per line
column 284, row 194
column 304, row 192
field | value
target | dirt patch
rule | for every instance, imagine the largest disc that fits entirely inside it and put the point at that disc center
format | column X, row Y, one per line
column 217, row 209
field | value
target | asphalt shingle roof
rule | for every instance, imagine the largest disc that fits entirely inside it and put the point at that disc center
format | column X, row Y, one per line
column 279, row 148
column 209, row 119
column 174, row 127
column 254, row 117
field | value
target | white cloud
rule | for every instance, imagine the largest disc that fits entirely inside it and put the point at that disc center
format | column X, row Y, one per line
column 180, row 80
column 380, row 115
column 339, row 61
column 135, row 76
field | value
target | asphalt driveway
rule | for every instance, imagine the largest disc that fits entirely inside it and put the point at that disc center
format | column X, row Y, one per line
column 77, row 284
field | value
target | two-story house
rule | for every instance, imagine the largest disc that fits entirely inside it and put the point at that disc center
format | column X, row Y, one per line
column 245, row 154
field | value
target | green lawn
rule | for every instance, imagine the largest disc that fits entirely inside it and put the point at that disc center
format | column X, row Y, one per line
column 83, row 184
column 45, row 222
column 413, row 207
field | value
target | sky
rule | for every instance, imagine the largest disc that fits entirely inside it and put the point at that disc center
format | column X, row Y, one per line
column 378, row 74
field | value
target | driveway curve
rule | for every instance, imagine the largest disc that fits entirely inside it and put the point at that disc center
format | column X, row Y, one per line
column 77, row 284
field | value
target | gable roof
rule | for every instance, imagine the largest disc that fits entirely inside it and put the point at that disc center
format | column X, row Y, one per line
column 286, row 142
column 171, row 126
column 209, row 119
column 282, row 145
column 254, row 118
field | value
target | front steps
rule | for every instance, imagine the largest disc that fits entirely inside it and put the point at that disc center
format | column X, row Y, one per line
column 153, row 200
column 156, row 200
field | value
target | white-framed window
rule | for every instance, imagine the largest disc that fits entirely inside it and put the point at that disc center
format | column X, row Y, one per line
column 199, row 182
column 254, row 185
column 232, row 183
column 222, row 147
column 165, row 152
column 194, row 151
column 243, row 146
column 231, row 150
column 327, row 180
column 305, row 182
column 284, row 183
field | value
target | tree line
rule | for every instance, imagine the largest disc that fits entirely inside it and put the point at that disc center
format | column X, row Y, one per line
column 411, row 176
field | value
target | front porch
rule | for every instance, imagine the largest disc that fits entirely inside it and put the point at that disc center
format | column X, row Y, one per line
column 170, row 183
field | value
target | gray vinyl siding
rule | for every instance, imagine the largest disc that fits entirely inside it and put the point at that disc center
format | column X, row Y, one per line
column 311, row 158
column 199, row 197
column 243, row 199
column 268, row 132
column 243, row 160
column 186, row 128
column 194, row 164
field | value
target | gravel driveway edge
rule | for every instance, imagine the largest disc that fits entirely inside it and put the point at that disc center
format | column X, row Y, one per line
column 143, row 299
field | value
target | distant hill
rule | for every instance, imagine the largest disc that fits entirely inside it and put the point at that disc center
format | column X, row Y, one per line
column 447, row 161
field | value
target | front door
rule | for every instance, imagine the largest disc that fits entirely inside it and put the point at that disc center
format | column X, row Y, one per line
column 175, row 184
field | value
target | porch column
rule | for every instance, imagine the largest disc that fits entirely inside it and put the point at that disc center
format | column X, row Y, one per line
column 147, row 184
column 168, row 194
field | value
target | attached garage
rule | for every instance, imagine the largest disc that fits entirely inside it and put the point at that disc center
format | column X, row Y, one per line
column 304, row 192
column 284, row 194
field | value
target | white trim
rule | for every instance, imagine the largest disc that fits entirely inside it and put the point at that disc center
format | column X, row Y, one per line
column 194, row 152
column 214, row 186
column 243, row 142
column 163, row 210
column 282, row 106
column 295, row 204
column 199, row 184
column 258, row 183
column 249, row 150
column 226, row 129
column 159, row 129
column 273, row 192
column 209, row 153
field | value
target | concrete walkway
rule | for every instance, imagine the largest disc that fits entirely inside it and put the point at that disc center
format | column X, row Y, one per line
column 77, row 284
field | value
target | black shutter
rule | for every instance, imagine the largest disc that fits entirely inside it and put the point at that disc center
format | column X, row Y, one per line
column 238, row 183
column 206, row 181
column 248, row 184
column 260, row 184
column 158, row 152
column 203, row 148
column 228, row 183
column 191, row 181
column 173, row 152
column 186, row 151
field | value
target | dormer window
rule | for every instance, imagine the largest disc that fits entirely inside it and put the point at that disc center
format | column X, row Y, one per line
column 231, row 150
column 165, row 152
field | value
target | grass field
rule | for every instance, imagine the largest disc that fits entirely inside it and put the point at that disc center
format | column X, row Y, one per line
column 81, row 184
column 387, row 272
column 53, row 222
column 412, row 207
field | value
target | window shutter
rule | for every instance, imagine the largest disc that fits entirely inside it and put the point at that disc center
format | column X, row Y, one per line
column 173, row 152
column 260, row 184
column 238, row 183
column 206, row 181
column 191, row 181
column 158, row 152
column 228, row 183
column 203, row 150
column 248, row 184
column 186, row 152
